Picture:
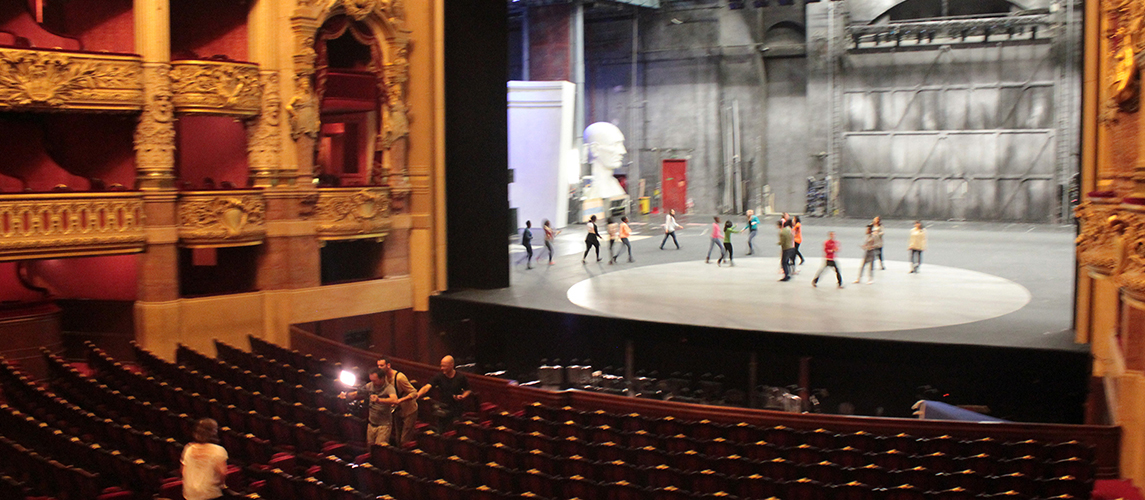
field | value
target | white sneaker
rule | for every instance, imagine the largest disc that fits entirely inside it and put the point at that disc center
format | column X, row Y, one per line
column 870, row 282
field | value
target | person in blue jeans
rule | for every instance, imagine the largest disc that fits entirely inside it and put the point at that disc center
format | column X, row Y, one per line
column 752, row 230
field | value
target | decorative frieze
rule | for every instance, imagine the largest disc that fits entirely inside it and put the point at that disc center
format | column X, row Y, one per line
column 264, row 143
column 52, row 225
column 1097, row 241
column 352, row 213
column 55, row 80
column 222, row 218
column 216, row 87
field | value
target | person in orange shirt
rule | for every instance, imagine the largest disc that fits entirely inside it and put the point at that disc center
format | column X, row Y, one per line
column 797, row 230
column 624, row 233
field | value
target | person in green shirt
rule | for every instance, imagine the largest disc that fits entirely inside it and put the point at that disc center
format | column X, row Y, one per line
column 728, row 230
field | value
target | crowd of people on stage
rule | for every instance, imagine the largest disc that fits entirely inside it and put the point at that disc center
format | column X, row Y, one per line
column 790, row 237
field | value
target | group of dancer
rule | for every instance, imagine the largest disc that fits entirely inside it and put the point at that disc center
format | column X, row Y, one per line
column 616, row 231
column 790, row 238
column 872, row 249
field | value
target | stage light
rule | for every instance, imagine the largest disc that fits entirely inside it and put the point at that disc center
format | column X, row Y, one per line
column 348, row 378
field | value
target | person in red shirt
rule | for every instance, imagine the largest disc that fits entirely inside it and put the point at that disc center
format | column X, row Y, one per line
column 829, row 248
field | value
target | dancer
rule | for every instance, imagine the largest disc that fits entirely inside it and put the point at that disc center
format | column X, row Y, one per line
column 877, row 230
column 670, row 227
column 752, row 228
column 550, row 239
column 797, row 231
column 591, row 240
column 717, row 241
column 728, row 230
column 917, row 245
column 829, row 248
column 625, row 233
column 787, row 246
column 527, row 241
column 613, row 230
column 870, row 251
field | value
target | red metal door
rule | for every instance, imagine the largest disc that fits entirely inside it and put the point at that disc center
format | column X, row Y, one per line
column 675, row 184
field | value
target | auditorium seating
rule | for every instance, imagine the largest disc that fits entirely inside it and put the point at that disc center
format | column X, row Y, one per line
column 538, row 451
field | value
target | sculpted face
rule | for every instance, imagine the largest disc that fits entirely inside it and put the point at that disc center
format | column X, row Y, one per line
column 605, row 144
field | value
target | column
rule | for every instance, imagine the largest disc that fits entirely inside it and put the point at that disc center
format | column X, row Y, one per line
column 264, row 134
column 157, row 315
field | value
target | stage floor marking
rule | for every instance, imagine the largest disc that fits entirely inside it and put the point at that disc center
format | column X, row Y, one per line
column 748, row 296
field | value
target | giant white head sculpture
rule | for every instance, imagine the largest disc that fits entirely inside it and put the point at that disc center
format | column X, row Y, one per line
column 605, row 145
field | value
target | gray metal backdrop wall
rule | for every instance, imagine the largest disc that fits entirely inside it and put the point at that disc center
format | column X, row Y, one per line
column 984, row 131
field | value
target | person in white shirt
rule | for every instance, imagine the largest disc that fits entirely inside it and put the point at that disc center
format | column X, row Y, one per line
column 670, row 227
column 204, row 463
column 916, row 246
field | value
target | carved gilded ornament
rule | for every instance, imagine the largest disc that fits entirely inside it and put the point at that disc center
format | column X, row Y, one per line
column 1131, row 273
column 155, row 133
column 1125, row 20
column 394, row 75
column 217, row 219
column 55, row 225
column 1097, row 242
column 216, row 87
column 264, row 146
column 303, row 111
column 349, row 213
column 39, row 79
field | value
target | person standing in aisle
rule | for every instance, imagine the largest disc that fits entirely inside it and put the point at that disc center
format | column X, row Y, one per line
column 877, row 231
column 728, row 230
column 787, row 249
column 830, row 247
column 624, row 233
column 550, row 239
column 717, row 241
column 797, row 232
column 870, row 251
column 591, row 240
column 670, row 227
column 917, row 245
column 527, row 242
column 752, row 230
column 613, row 231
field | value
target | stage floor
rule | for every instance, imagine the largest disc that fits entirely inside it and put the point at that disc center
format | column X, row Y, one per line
column 1000, row 285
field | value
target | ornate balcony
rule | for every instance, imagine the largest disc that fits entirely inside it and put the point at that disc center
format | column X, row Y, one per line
column 59, row 80
column 51, row 225
column 213, row 219
column 216, row 88
column 346, row 213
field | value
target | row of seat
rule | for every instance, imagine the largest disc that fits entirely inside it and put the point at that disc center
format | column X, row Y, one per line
column 145, row 415
column 23, row 394
column 294, row 358
column 295, row 435
column 258, row 363
column 324, row 396
column 108, row 468
column 478, row 442
column 552, row 421
column 237, row 389
column 44, row 475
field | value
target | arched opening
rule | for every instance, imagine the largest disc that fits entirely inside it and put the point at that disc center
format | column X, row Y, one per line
column 347, row 87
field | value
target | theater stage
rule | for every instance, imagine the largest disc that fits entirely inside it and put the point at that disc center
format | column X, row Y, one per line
column 994, row 297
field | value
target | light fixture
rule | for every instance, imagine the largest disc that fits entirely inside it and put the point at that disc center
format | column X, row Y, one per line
column 348, row 378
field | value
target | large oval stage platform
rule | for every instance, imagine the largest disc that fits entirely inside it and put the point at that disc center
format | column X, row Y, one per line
column 987, row 320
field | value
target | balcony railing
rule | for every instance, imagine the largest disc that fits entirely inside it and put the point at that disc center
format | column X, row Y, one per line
column 216, row 87
column 59, row 80
column 52, row 225
column 212, row 219
column 345, row 213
